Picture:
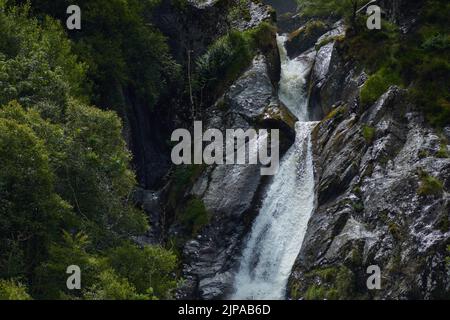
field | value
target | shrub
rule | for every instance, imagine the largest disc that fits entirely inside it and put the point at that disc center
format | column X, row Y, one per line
column 336, row 283
column 423, row 154
column 110, row 286
column 417, row 60
column 442, row 152
column 195, row 215
column 12, row 290
column 336, row 112
column 437, row 42
column 377, row 84
column 316, row 292
column 327, row 40
column 225, row 59
column 313, row 26
column 148, row 269
column 429, row 185
column 368, row 133
column 239, row 10
column 447, row 259
column 394, row 230
column 358, row 206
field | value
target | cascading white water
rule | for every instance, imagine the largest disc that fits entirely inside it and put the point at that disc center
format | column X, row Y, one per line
column 278, row 230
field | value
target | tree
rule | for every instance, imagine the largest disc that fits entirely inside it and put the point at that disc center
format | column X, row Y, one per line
column 51, row 275
column 149, row 269
column 65, row 178
column 37, row 65
column 30, row 209
column 110, row 286
column 123, row 50
column 95, row 176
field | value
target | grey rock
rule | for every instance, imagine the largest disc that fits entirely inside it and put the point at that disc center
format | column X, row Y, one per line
column 369, row 210
column 230, row 192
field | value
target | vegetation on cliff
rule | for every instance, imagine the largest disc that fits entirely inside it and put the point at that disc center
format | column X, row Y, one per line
column 417, row 59
column 65, row 180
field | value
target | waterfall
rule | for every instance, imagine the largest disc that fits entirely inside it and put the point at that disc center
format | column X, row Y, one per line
column 278, row 231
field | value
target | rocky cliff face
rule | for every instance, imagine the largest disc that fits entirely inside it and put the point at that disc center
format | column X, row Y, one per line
column 373, row 205
column 190, row 27
column 229, row 193
column 382, row 183
column 382, row 178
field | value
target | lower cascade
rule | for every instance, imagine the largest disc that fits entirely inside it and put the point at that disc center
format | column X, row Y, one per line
column 278, row 231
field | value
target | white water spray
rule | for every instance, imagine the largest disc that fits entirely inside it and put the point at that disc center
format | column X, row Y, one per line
column 278, row 230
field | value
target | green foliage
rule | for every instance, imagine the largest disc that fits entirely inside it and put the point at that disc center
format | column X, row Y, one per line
column 65, row 166
column 224, row 60
column 185, row 175
column 436, row 42
column 110, row 286
column 335, row 283
column 122, row 50
column 195, row 215
column 180, row 5
column 327, row 40
column 51, row 274
column 29, row 205
column 239, row 10
column 368, row 133
column 375, row 49
column 329, row 8
column 336, row 113
column 430, row 91
column 12, row 290
column 149, row 269
column 37, row 66
column 377, row 84
column 124, row 272
column 182, row 178
column 442, row 152
column 358, row 206
column 96, row 174
column 423, row 154
column 418, row 60
column 313, row 26
column 429, row 185
column 447, row 259
column 443, row 223
column 228, row 56
column 87, row 147
column 316, row 292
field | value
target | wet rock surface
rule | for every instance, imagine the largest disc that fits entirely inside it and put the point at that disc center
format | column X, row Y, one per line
column 371, row 173
column 372, row 168
column 332, row 79
column 230, row 193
